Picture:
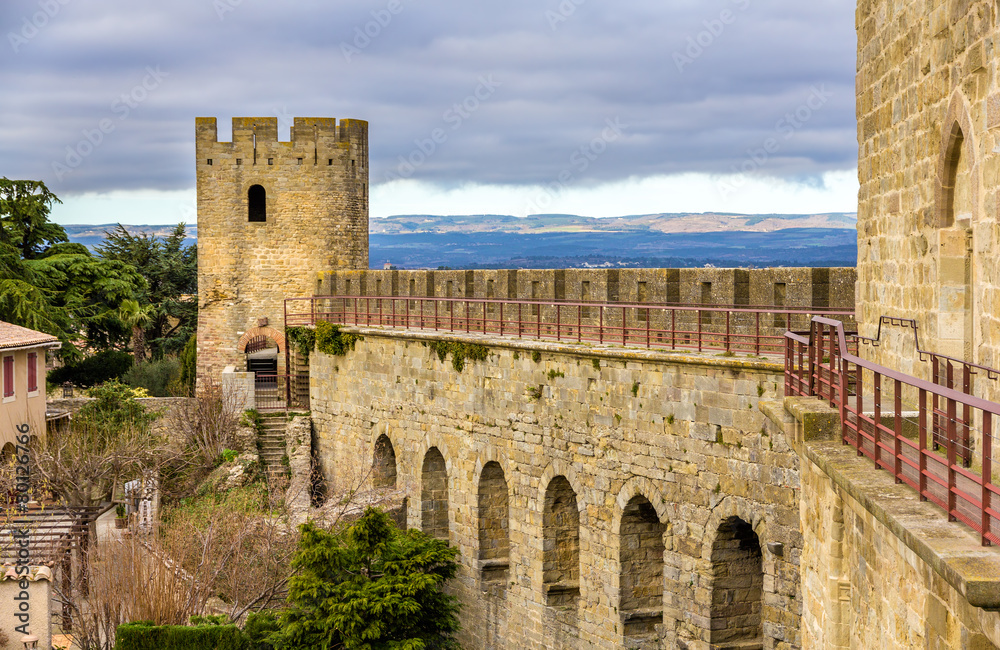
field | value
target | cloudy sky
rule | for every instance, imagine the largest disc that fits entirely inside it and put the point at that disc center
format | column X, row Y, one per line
column 588, row 107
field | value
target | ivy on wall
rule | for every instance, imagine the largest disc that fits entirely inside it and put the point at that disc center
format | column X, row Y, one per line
column 459, row 352
column 331, row 340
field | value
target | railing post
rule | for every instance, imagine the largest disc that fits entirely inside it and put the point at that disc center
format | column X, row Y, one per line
column 579, row 323
column 898, row 430
column 952, row 434
column 922, row 442
column 966, row 416
column 558, row 324
column 435, row 315
column 519, row 321
column 624, row 316
column 728, row 312
column 877, row 419
column 842, row 403
column 647, row 327
column 673, row 329
column 600, row 327
column 756, row 338
column 699, row 330
column 501, row 319
column 987, row 475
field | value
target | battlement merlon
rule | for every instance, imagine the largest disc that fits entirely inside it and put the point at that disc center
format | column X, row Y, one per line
column 304, row 129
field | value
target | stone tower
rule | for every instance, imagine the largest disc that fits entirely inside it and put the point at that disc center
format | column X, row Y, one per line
column 272, row 217
column 928, row 103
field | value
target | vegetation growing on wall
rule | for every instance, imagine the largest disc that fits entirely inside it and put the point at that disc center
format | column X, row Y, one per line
column 331, row 340
column 302, row 339
column 459, row 352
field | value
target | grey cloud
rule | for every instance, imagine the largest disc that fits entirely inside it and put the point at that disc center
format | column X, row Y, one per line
column 560, row 79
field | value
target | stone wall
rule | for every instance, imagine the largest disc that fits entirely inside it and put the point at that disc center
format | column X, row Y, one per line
column 789, row 287
column 928, row 113
column 595, row 494
column 314, row 218
column 880, row 568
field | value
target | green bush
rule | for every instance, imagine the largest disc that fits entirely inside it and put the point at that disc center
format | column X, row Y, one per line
column 145, row 636
column 97, row 369
column 155, row 376
column 258, row 627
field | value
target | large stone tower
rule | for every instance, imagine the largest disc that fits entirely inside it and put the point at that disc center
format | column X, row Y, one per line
column 928, row 102
column 272, row 217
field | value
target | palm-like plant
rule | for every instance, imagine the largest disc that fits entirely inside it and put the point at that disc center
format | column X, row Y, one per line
column 137, row 317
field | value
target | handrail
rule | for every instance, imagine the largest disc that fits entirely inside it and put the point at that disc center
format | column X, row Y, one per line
column 910, row 323
column 932, row 453
column 749, row 329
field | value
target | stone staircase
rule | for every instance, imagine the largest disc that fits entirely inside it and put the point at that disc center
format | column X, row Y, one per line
column 272, row 442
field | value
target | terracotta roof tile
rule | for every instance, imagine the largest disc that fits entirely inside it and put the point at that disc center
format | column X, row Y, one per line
column 15, row 336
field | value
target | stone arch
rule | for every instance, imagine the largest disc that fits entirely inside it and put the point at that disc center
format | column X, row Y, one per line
column 554, row 469
column 640, row 578
column 561, row 543
column 434, row 495
column 384, row 463
column 737, row 586
column 256, row 204
column 254, row 332
column 494, row 523
column 957, row 145
column 957, row 207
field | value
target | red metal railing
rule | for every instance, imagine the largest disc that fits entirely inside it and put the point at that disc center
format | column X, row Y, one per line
column 931, row 437
column 757, row 330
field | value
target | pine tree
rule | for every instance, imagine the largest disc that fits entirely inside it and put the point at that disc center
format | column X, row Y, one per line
column 370, row 587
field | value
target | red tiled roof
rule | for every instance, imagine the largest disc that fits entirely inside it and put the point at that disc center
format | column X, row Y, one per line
column 15, row 336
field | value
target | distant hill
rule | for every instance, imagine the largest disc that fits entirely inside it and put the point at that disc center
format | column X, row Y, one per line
column 688, row 222
column 91, row 235
column 570, row 241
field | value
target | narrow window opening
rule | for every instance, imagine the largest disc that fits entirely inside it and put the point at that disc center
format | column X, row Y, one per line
column 706, row 299
column 209, row 161
column 384, row 465
column 239, row 161
column 299, row 160
column 256, row 204
column 270, row 161
column 494, row 525
column 329, row 161
column 535, row 286
column 585, row 297
column 434, row 495
column 737, row 586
